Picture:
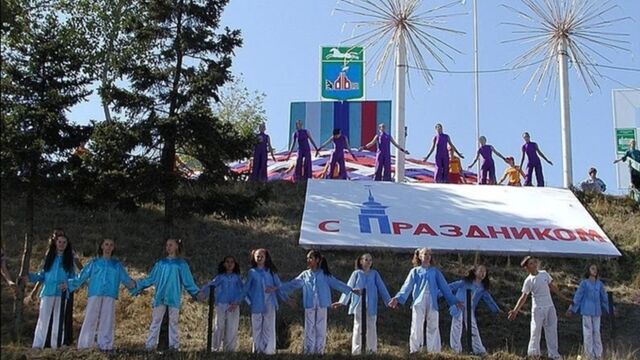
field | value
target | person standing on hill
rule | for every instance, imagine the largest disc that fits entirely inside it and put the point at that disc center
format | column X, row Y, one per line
column 590, row 301
column 424, row 283
column 303, row 162
column 340, row 144
column 593, row 183
column 383, row 142
column 440, row 143
column 104, row 275
column 633, row 154
column 261, row 289
column 364, row 277
column 54, row 274
column 477, row 280
column 227, row 287
column 455, row 168
column 169, row 276
column 260, row 150
column 543, row 314
column 531, row 150
column 316, row 283
column 488, row 167
column 512, row 173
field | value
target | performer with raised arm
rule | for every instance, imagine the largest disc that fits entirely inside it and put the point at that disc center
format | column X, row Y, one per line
column 340, row 144
column 439, row 144
column 303, row 162
column 488, row 167
column 543, row 313
column 383, row 153
column 531, row 150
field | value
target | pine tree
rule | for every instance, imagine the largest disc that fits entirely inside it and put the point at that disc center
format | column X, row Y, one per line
column 171, row 87
column 42, row 77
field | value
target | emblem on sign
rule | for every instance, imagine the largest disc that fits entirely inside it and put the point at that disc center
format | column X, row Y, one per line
column 342, row 75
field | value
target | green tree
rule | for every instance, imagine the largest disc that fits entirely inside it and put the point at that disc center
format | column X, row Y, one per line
column 240, row 106
column 171, row 87
column 43, row 76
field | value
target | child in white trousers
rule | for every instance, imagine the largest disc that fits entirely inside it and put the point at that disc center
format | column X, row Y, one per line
column 105, row 274
column 169, row 276
column 423, row 283
column 228, row 286
column 58, row 268
column 477, row 280
column 543, row 313
column 590, row 301
column 364, row 277
column 316, row 284
column 261, row 290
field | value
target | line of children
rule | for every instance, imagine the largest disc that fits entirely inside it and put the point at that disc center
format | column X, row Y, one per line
column 425, row 283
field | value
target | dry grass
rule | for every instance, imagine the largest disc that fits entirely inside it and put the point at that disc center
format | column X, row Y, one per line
column 208, row 240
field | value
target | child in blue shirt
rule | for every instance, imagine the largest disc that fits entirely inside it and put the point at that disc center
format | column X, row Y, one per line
column 364, row 277
column 105, row 274
column 316, row 284
column 477, row 280
column 228, row 286
column 169, row 276
column 57, row 270
column 590, row 300
column 424, row 283
column 260, row 291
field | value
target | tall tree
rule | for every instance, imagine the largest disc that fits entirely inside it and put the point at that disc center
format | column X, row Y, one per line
column 104, row 23
column 172, row 85
column 42, row 77
column 240, row 106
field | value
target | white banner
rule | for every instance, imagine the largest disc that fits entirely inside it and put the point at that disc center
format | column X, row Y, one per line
column 450, row 218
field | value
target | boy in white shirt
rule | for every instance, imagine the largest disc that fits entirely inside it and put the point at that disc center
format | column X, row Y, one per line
column 543, row 312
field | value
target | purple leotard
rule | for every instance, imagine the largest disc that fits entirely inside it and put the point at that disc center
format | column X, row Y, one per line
column 337, row 157
column 534, row 164
column 383, row 158
column 303, row 163
column 442, row 158
column 259, row 169
column 488, row 167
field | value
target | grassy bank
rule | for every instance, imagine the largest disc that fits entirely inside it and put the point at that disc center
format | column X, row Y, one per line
column 208, row 239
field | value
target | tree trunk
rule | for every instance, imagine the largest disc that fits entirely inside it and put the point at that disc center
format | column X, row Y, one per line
column 168, row 159
column 24, row 268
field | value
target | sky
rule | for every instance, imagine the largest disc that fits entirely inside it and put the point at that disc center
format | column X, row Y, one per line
column 280, row 57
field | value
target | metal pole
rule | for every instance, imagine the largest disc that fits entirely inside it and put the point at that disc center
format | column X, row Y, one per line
column 565, row 119
column 363, row 322
column 612, row 321
column 468, row 310
column 476, row 78
column 399, row 131
column 210, row 318
column 63, row 296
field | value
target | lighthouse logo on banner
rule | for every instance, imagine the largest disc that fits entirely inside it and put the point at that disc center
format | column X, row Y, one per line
column 342, row 72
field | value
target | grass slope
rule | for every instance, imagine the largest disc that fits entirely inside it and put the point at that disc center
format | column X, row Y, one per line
column 207, row 239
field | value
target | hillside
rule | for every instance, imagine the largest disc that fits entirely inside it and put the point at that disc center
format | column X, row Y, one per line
column 207, row 240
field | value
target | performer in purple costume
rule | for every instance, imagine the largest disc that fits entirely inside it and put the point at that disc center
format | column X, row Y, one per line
column 532, row 151
column 440, row 142
column 303, row 162
column 340, row 144
column 259, row 163
column 383, row 154
column 488, row 167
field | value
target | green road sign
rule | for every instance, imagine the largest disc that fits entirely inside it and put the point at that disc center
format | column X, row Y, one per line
column 623, row 136
column 342, row 75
